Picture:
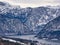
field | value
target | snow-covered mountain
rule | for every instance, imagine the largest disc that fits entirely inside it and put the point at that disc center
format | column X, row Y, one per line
column 51, row 30
column 17, row 20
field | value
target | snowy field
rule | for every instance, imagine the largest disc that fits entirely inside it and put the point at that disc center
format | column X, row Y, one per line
column 40, row 41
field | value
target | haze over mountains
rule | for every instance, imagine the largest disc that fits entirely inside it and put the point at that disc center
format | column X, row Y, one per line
column 15, row 20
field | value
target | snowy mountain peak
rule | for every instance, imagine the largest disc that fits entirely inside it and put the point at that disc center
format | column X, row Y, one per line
column 3, row 3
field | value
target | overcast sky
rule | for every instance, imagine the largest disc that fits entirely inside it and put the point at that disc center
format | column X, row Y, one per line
column 33, row 3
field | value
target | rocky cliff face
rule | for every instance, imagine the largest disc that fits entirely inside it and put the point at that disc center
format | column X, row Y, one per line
column 51, row 29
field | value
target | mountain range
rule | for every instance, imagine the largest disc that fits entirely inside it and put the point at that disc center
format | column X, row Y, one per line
column 15, row 20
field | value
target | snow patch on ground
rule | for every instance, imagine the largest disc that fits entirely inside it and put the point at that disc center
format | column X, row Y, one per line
column 40, row 41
